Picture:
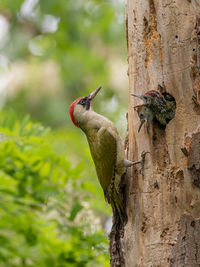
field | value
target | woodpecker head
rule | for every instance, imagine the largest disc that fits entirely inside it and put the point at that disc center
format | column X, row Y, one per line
column 81, row 106
column 148, row 96
column 146, row 115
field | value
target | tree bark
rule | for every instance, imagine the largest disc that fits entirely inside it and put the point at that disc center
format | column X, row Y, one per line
column 163, row 201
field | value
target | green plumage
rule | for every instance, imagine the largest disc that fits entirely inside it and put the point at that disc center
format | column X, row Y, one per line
column 107, row 152
column 108, row 155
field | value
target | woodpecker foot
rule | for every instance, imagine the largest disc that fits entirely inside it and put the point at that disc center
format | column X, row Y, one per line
column 128, row 163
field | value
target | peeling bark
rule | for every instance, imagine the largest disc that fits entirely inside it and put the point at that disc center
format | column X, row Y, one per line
column 163, row 203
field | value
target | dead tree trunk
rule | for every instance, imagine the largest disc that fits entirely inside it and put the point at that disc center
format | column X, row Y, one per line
column 163, row 202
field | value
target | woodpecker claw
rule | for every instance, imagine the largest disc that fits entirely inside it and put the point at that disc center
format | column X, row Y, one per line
column 143, row 155
column 128, row 163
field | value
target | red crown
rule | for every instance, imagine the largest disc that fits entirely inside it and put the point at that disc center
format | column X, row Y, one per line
column 71, row 110
column 153, row 93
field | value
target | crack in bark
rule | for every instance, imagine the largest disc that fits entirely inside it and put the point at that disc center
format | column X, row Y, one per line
column 194, row 159
column 151, row 35
column 186, row 250
column 116, row 248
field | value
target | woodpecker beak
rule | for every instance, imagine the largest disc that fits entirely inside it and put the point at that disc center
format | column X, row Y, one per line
column 139, row 96
column 93, row 94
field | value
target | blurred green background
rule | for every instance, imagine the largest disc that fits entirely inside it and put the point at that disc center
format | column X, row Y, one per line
column 52, row 210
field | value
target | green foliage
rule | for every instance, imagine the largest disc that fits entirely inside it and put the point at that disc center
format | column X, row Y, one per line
column 87, row 37
column 52, row 206
column 42, row 221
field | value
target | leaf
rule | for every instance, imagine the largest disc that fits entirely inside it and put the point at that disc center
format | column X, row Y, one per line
column 23, row 124
column 76, row 208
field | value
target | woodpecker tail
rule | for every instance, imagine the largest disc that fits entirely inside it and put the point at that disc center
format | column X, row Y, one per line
column 119, row 211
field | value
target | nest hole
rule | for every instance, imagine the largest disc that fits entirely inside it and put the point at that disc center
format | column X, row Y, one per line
column 167, row 110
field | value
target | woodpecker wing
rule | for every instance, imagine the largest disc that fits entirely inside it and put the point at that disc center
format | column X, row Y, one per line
column 104, row 153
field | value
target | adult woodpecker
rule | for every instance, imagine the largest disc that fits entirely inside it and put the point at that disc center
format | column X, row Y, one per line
column 107, row 151
column 160, row 106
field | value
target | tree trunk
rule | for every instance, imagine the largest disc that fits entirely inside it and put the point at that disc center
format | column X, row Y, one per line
column 163, row 201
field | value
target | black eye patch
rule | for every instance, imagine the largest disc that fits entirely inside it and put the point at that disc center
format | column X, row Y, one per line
column 82, row 101
column 85, row 102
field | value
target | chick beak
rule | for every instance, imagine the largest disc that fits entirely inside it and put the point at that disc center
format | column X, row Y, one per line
column 93, row 94
column 141, row 123
column 139, row 96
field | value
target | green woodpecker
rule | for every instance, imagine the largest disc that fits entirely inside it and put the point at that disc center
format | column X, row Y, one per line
column 107, row 151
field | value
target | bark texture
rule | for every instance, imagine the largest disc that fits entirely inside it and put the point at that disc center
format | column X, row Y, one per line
column 163, row 201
